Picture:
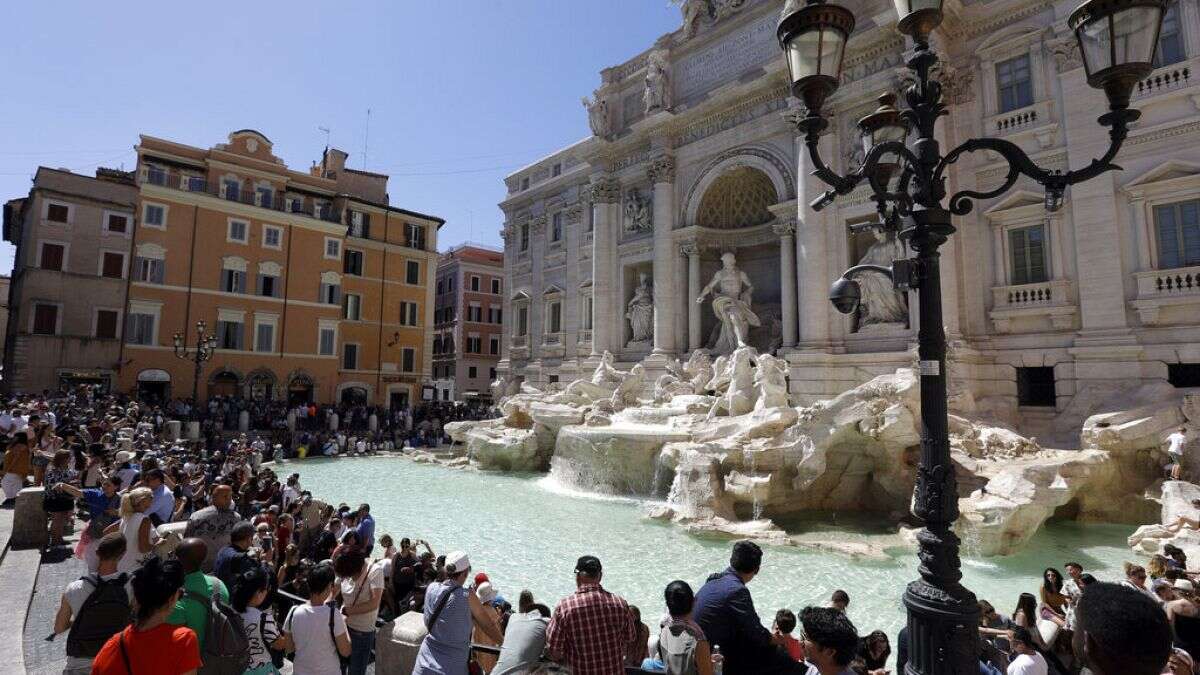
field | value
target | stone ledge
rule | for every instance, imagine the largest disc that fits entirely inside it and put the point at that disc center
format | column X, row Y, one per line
column 29, row 520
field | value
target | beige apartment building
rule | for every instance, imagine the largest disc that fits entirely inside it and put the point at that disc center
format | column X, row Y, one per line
column 67, row 297
column 468, row 317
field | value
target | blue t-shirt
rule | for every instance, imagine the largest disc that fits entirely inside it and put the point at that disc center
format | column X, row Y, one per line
column 366, row 531
column 96, row 504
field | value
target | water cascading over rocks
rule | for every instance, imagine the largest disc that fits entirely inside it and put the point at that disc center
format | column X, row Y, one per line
column 737, row 456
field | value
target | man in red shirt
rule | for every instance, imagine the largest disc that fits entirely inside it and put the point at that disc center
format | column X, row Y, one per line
column 591, row 630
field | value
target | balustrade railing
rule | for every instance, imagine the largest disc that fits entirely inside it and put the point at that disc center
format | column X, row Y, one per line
column 1168, row 78
column 1170, row 282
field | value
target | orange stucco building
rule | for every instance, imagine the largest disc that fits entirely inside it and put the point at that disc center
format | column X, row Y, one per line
column 313, row 287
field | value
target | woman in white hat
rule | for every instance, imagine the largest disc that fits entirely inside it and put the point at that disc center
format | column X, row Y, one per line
column 124, row 466
column 450, row 611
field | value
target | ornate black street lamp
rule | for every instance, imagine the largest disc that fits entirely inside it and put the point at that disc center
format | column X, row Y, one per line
column 205, row 346
column 1117, row 39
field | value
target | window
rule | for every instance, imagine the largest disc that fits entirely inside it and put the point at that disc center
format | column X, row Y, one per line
column 349, row 356
column 149, row 270
column 139, row 328
column 106, row 324
column 586, row 313
column 554, row 317
column 1035, row 387
column 112, row 265
column 331, row 294
column 493, row 314
column 1183, row 375
column 472, row 372
column 238, row 230
column 154, row 215
column 53, row 256
column 556, row 170
column 474, row 344
column 525, row 183
column 264, row 196
column 268, row 286
column 475, row 313
column 230, row 334
column 492, row 374
column 408, row 313
column 352, row 307
column 1028, row 252
column 495, row 287
column 272, row 237
column 45, row 319
column 525, row 237
column 475, row 283
column 232, row 188
column 412, row 272
column 352, row 262
column 1170, row 38
column 264, row 337
column 556, row 227
column 494, row 346
column 116, row 223
column 333, row 248
column 233, row 281
column 1015, row 82
column 414, row 236
column 194, row 183
column 450, row 284
column 156, row 175
column 58, row 213
column 522, row 321
column 360, row 224
column 1178, row 228
column 326, row 337
column 408, row 359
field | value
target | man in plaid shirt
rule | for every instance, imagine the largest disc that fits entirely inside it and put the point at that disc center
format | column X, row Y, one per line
column 592, row 629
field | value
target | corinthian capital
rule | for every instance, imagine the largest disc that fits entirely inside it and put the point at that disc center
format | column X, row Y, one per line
column 537, row 225
column 689, row 248
column 661, row 169
column 574, row 213
column 784, row 228
column 604, row 190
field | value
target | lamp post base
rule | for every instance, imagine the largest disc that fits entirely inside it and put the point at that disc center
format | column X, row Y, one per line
column 943, row 617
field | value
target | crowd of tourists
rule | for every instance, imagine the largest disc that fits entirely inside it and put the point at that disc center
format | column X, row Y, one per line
column 200, row 558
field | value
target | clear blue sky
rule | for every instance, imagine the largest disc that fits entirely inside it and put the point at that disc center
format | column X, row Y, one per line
column 460, row 93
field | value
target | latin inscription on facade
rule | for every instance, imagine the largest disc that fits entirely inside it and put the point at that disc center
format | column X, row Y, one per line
column 744, row 49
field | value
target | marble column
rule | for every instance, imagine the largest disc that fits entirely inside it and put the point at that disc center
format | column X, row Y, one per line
column 815, row 249
column 787, row 277
column 606, row 333
column 691, row 251
column 661, row 171
column 682, row 301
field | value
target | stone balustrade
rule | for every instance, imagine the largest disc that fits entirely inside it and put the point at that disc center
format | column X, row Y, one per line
column 1036, row 119
column 552, row 339
column 588, row 237
column 1167, row 296
column 1168, row 78
column 1052, row 300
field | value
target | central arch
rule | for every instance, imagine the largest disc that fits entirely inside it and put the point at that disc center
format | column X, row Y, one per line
column 740, row 197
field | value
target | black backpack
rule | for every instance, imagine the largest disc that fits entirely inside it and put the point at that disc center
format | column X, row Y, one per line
column 105, row 613
column 226, row 649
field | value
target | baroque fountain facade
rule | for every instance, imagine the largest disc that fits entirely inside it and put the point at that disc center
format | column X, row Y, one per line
column 667, row 328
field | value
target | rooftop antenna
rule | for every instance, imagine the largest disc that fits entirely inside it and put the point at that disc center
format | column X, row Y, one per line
column 471, row 226
column 366, row 137
column 326, row 130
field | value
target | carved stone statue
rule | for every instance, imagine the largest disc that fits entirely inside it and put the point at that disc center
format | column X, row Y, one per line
column 637, row 212
column 740, row 394
column 699, row 370
column 640, row 313
column 732, row 294
column 658, row 82
column 770, row 379
column 881, row 305
column 604, row 381
column 499, row 388
column 597, row 109
column 605, row 373
column 692, row 10
column 626, row 393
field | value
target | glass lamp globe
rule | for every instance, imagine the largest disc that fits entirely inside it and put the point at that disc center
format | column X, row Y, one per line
column 918, row 18
column 1117, row 39
column 813, row 37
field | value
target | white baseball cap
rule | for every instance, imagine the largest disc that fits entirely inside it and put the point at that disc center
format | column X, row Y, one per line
column 457, row 562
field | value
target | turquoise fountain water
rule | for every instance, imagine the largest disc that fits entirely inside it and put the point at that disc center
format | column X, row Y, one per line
column 525, row 532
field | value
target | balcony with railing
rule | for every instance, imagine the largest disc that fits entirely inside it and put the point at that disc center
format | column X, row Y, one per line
column 1166, row 295
column 1024, row 307
column 1036, row 120
column 273, row 200
column 1169, row 78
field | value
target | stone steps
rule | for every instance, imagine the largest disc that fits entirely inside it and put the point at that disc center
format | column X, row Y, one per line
column 18, row 575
